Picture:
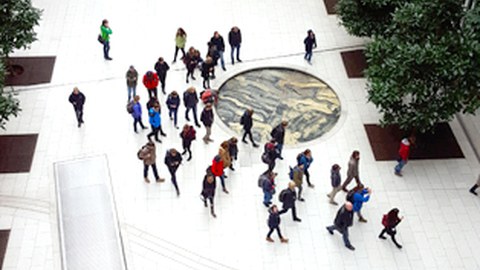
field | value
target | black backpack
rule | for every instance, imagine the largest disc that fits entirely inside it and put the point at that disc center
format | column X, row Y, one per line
column 262, row 179
column 130, row 107
column 350, row 194
column 282, row 195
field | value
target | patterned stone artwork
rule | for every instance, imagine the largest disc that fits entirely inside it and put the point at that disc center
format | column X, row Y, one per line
column 310, row 106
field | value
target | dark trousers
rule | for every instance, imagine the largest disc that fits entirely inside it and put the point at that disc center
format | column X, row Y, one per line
column 186, row 148
column 271, row 165
column 207, row 197
column 308, row 55
column 294, row 212
column 154, row 132
column 237, row 47
column 135, row 121
column 307, row 175
column 106, row 49
column 176, row 52
column 250, row 136
column 162, row 82
column 152, row 93
column 172, row 113
column 79, row 114
column 222, row 180
column 391, row 232
column 344, row 233
column 154, row 167
column 206, row 82
column 278, row 231
column 172, row 171
column 190, row 72
column 194, row 109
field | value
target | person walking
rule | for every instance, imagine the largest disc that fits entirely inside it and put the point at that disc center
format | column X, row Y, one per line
column 137, row 113
column 335, row 180
column 306, row 159
column 208, row 191
column 180, row 41
column 278, row 133
column 77, row 99
column 390, row 222
column 132, row 76
column 298, row 179
column 155, row 122
column 274, row 224
column 148, row 155
column 268, row 187
column 217, row 40
column 173, row 102
column 269, row 155
column 187, row 135
column 207, row 68
column 474, row 188
column 247, row 122
column 190, row 100
column 403, row 153
column 173, row 159
column 235, row 39
column 352, row 170
column 150, row 80
column 343, row 220
column 310, row 44
column 106, row 31
column 225, row 155
column 191, row 60
column 161, row 67
column 233, row 151
column 217, row 170
column 288, row 197
column 360, row 195
column 207, row 120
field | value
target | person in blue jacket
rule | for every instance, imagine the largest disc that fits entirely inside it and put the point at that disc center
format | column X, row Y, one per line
column 155, row 122
column 268, row 187
column 360, row 196
column 173, row 101
column 306, row 159
column 137, row 113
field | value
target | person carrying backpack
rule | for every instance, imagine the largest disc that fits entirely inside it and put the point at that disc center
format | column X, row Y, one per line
column 268, row 187
column 360, row 195
column 278, row 133
column 390, row 222
column 297, row 177
column 269, row 155
column 137, row 113
column 233, row 151
column 148, row 154
column 187, row 135
column 173, row 160
column 306, row 159
column 173, row 102
column 336, row 180
column 288, row 197
column 343, row 220
column 247, row 122
column 274, row 224
column 208, row 191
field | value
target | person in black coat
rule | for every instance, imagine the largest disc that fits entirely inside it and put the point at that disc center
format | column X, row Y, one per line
column 161, row 67
column 310, row 43
column 343, row 220
column 190, row 100
column 217, row 40
column 247, row 122
column 173, row 159
column 77, row 99
column 208, row 191
column 173, row 102
column 390, row 223
column 274, row 224
column 207, row 68
column 288, row 201
column 278, row 133
column 207, row 120
column 187, row 135
column 235, row 39
column 269, row 155
column 233, row 150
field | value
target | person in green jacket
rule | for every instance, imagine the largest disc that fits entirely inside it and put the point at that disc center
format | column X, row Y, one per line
column 180, row 40
column 106, row 32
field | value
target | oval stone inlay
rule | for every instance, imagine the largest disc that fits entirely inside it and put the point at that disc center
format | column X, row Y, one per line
column 309, row 105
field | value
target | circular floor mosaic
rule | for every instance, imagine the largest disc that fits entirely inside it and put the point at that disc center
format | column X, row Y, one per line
column 310, row 106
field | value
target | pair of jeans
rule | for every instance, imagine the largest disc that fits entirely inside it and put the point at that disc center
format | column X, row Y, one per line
column 237, row 47
column 308, row 56
column 267, row 197
column 344, row 233
column 106, row 49
column 222, row 62
column 186, row 148
column 172, row 113
column 279, row 149
column 152, row 93
column 250, row 136
column 154, row 132
column 173, row 170
column 194, row 109
column 307, row 175
column 154, row 168
column 79, row 114
column 131, row 90
column 222, row 180
column 400, row 165
column 294, row 212
column 135, row 121
column 162, row 78
column 278, row 231
column 176, row 52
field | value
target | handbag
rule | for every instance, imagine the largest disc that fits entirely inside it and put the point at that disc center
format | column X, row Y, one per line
column 100, row 39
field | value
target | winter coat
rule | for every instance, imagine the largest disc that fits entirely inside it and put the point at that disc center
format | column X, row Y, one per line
column 278, row 133
column 180, row 41
column 150, row 83
column 353, row 167
column 154, row 118
column 148, row 154
column 170, row 160
column 273, row 219
column 208, row 189
column 392, row 220
column 297, row 176
column 137, row 110
column 268, row 185
column 359, row 198
column 335, row 177
column 247, row 121
column 289, row 199
column 226, row 158
column 206, row 69
column 310, row 43
column 343, row 219
column 161, row 69
column 77, row 100
column 173, row 102
column 234, row 38
column 190, row 61
column 190, row 100
column 305, row 161
column 271, row 152
column 404, row 150
column 218, row 42
column 132, row 76
column 217, row 166
column 187, row 137
column 232, row 149
column 207, row 117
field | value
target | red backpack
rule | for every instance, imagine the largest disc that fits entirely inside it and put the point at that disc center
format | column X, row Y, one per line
column 385, row 220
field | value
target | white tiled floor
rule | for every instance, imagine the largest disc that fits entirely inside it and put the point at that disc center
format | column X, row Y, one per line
column 440, row 215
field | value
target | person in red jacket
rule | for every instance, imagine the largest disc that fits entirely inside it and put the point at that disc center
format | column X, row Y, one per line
column 403, row 154
column 217, row 170
column 150, row 80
